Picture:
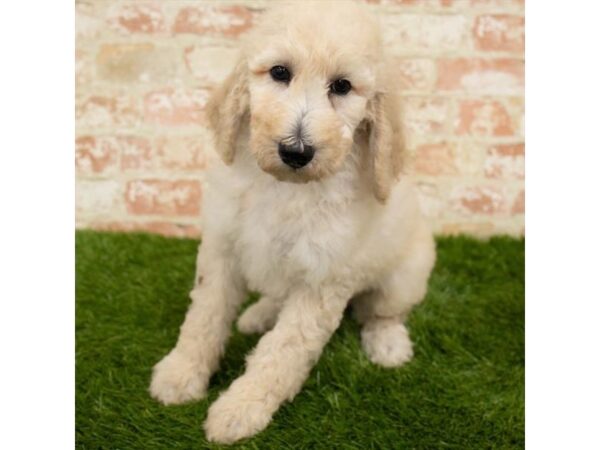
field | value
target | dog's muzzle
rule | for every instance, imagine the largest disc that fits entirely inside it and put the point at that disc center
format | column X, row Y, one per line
column 297, row 154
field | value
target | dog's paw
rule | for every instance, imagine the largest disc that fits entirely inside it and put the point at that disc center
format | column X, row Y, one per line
column 233, row 417
column 387, row 343
column 258, row 318
column 178, row 379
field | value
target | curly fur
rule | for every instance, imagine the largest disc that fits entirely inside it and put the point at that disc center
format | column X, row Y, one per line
column 346, row 226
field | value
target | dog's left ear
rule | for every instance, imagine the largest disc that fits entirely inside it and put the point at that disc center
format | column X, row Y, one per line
column 227, row 109
column 386, row 143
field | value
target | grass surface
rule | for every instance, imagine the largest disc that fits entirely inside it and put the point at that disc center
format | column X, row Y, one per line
column 463, row 389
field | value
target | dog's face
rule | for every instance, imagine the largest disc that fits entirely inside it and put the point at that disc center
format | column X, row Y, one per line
column 308, row 93
column 306, row 82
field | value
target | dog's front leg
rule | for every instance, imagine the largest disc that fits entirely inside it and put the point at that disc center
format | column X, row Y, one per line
column 278, row 366
column 184, row 373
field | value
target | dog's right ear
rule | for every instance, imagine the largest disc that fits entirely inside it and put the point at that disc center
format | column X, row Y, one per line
column 227, row 109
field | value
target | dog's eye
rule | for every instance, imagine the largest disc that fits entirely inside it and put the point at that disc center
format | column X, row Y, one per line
column 280, row 73
column 340, row 87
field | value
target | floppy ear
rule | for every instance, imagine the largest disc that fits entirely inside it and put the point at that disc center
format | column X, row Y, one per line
column 227, row 109
column 386, row 144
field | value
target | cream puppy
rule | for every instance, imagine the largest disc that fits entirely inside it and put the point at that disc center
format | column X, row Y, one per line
column 306, row 204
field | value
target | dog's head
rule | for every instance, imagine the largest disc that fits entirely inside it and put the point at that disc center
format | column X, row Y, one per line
column 312, row 81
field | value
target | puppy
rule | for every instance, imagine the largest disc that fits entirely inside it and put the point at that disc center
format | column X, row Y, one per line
column 305, row 204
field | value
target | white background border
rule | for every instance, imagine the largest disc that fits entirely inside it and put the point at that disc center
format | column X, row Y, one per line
column 562, row 225
column 37, row 367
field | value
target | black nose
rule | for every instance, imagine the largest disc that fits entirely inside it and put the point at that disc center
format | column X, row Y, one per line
column 296, row 155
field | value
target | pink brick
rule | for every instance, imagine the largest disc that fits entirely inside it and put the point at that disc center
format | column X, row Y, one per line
column 136, row 153
column 426, row 32
column 496, row 3
column 213, row 19
column 430, row 199
column 479, row 200
column 181, row 153
column 416, row 73
column 175, row 106
column 516, row 109
column 210, row 65
column 435, row 159
column 518, row 206
column 470, row 155
column 172, row 153
column 95, row 155
column 424, row 116
column 137, row 18
column 163, row 197
column 491, row 76
column 171, row 229
column 484, row 118
column 97, row 197
column 499, row 32
column 83, row 68
column 135, row 63
column 474, row 228
column 102, row 111
column 394, row 2
column 88, row 21
column 505, row 161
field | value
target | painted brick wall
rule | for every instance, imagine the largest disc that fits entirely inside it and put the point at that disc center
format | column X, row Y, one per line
column 144, row 71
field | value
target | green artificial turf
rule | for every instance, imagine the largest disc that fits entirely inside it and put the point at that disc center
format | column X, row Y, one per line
column 463, row 389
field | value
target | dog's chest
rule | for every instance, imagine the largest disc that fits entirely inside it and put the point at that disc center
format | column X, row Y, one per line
column 291, row 235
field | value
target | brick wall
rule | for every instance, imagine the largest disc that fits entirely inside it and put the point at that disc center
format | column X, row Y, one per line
column 144, row 71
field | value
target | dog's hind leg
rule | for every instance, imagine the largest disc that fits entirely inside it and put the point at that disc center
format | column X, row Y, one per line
column 386, row 341
column 383, row 311
column 260, row 316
